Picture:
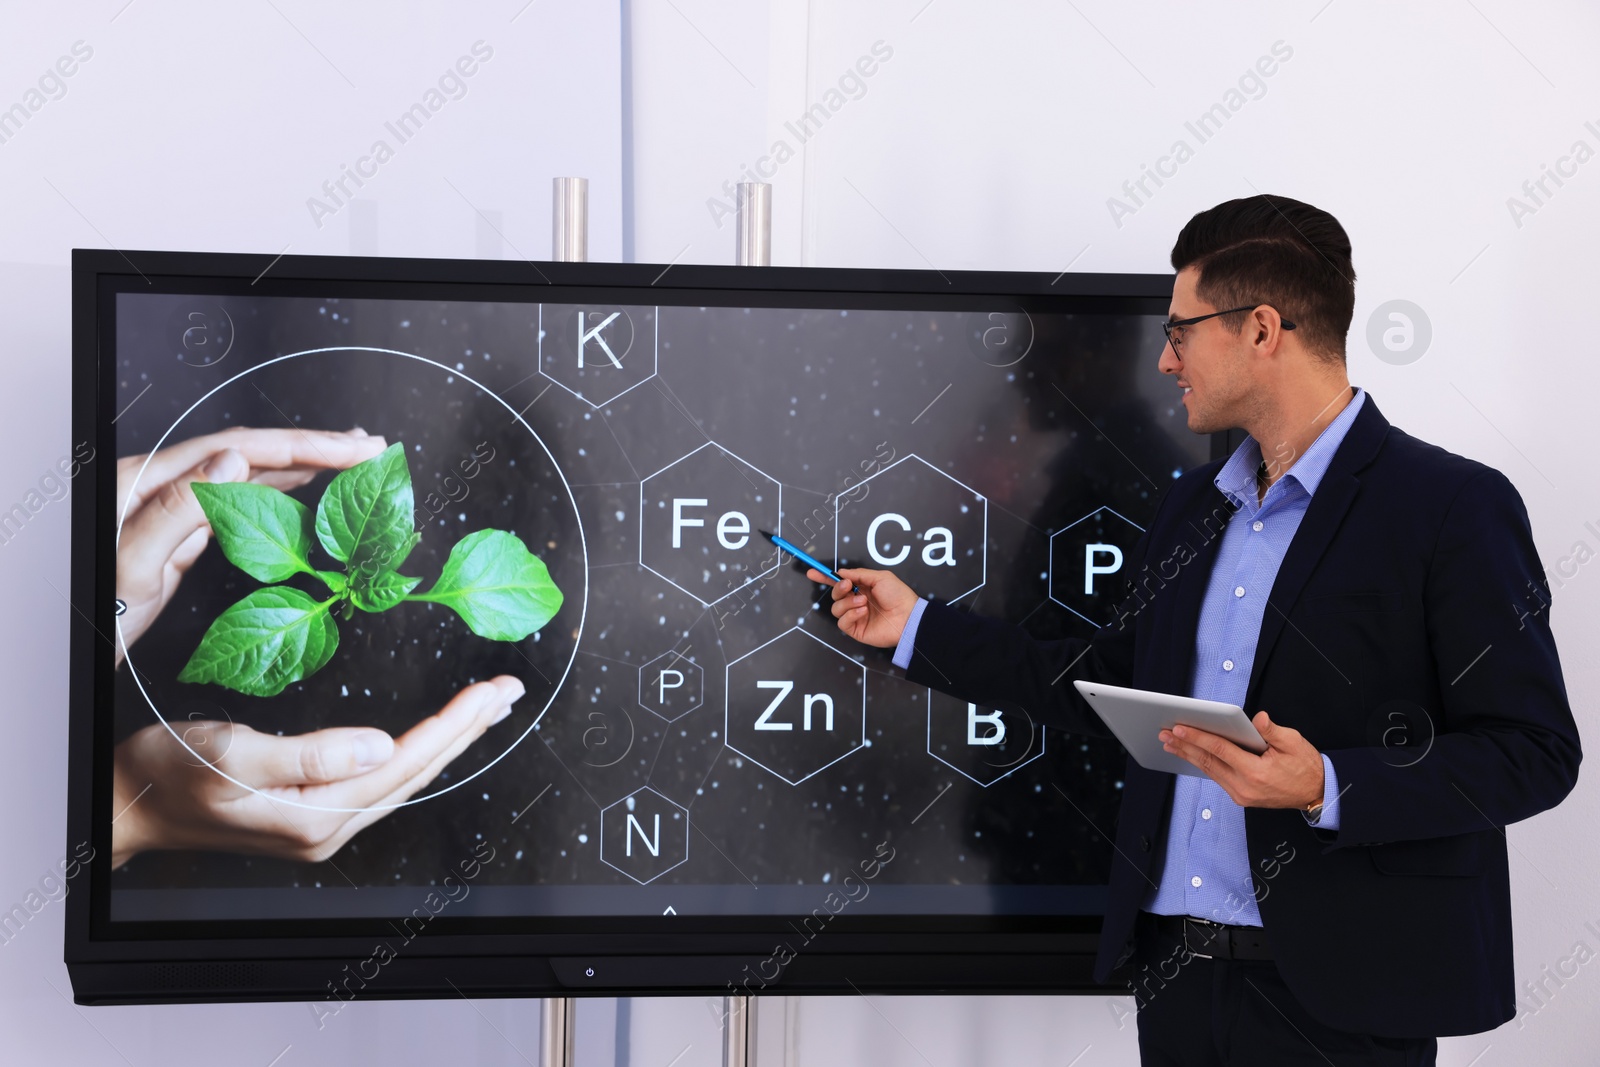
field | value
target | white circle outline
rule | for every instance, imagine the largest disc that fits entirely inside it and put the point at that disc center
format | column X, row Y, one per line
column 582, row 542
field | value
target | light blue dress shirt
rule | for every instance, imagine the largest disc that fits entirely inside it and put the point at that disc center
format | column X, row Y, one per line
column 1206, row 872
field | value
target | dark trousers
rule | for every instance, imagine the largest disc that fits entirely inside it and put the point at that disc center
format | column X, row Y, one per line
column 1196, row 1012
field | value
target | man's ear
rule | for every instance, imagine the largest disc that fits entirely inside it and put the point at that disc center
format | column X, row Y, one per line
column 1261, row 324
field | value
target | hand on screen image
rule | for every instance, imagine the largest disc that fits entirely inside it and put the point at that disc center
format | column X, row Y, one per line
column 164, row 531
column 192, row 806
column 878, row 614
column 188, row 804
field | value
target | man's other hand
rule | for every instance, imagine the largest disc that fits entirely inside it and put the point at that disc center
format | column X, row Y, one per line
column 1289, row 774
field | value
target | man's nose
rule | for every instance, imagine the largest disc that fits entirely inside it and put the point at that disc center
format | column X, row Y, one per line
column 1169, row 363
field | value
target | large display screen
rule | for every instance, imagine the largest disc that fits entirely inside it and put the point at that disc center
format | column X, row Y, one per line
column 458, row 593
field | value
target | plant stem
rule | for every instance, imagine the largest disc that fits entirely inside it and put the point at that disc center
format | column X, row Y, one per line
column 332, row 579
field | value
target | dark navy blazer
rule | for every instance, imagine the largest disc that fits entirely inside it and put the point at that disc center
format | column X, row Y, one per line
column 1410, row 599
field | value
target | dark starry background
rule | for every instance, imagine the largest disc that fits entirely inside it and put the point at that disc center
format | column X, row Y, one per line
column 816, row 399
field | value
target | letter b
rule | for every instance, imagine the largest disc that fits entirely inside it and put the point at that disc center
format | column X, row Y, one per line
column 995, row 737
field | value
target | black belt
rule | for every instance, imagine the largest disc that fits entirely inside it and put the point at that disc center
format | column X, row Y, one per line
column 1210, row 940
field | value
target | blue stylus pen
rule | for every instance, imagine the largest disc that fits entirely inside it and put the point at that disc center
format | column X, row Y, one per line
column 809, row 561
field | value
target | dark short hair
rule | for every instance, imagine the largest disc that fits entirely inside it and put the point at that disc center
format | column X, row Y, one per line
column 1273, row 250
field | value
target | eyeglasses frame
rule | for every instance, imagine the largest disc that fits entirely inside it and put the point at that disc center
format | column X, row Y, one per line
column 1167, row 327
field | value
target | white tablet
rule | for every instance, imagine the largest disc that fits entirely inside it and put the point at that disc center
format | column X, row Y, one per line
column 1137, row 716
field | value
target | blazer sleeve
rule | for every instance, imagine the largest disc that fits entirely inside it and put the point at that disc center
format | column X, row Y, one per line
column 996, row 663
column 1505, row 745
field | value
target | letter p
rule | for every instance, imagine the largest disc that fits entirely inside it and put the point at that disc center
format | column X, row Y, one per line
column 1090, row 568
column 662, row 686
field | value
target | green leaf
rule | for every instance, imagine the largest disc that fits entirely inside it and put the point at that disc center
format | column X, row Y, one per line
column 399, row 556
column 364, row 518
column 382, row 592
column 381, row 563
column 274, row 636
column 497, row 586
column 263, row 532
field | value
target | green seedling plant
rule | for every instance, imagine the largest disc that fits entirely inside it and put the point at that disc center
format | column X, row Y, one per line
column 279, row 634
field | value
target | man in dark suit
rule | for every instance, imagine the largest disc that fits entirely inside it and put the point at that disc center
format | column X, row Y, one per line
column 1344, row 897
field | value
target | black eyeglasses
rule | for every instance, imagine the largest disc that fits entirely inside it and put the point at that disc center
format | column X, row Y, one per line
column 1176, row 339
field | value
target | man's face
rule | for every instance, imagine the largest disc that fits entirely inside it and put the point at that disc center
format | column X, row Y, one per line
column 1211, row 362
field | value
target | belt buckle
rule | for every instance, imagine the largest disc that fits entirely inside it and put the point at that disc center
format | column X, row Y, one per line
column 1190, row 919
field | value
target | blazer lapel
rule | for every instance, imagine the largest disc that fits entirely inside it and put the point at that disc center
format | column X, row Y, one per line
column 1323, row 515
column 1178, row 626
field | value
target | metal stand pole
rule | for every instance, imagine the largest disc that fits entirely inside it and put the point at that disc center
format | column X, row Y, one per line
column 739, row 1035
column 569, row 243
column 755, row 225
column 569, row 220
column 754, row 249
column 556, row 1025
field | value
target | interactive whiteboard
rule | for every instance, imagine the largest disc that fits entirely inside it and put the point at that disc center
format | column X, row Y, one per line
column 563, row 482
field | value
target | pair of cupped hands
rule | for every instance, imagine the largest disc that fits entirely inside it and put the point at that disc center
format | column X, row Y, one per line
column 302, row 797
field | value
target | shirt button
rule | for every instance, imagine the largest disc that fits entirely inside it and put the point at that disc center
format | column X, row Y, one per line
column 1227, row 664
column 1195, row 881
column 1256, row 525
column 1238, row 590
column 1205, row 813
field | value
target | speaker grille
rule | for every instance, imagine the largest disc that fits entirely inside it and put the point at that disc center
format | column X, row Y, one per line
column 205, row 975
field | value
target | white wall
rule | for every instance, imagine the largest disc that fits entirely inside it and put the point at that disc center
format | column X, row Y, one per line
column 991, row 138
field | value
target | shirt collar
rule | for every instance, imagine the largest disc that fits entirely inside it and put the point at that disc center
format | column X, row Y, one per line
column 1237, row 478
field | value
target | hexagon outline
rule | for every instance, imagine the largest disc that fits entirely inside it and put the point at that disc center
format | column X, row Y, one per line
column 655, row 361
column 1050, row 558
column 1017, row 767
column 726, row 711
column 983, row 561
column 739, row 459
column 699, row 700
column 664, row 870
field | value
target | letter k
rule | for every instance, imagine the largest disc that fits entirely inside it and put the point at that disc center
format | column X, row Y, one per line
column 584, row 337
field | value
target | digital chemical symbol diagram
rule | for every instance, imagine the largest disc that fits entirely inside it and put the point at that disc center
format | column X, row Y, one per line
column 796, row 705
column 671, row 685
column 644, row 835
column 597, row 352
column 700, row 519
column 983, row 743
column 1088, row 564
column 916, row 520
